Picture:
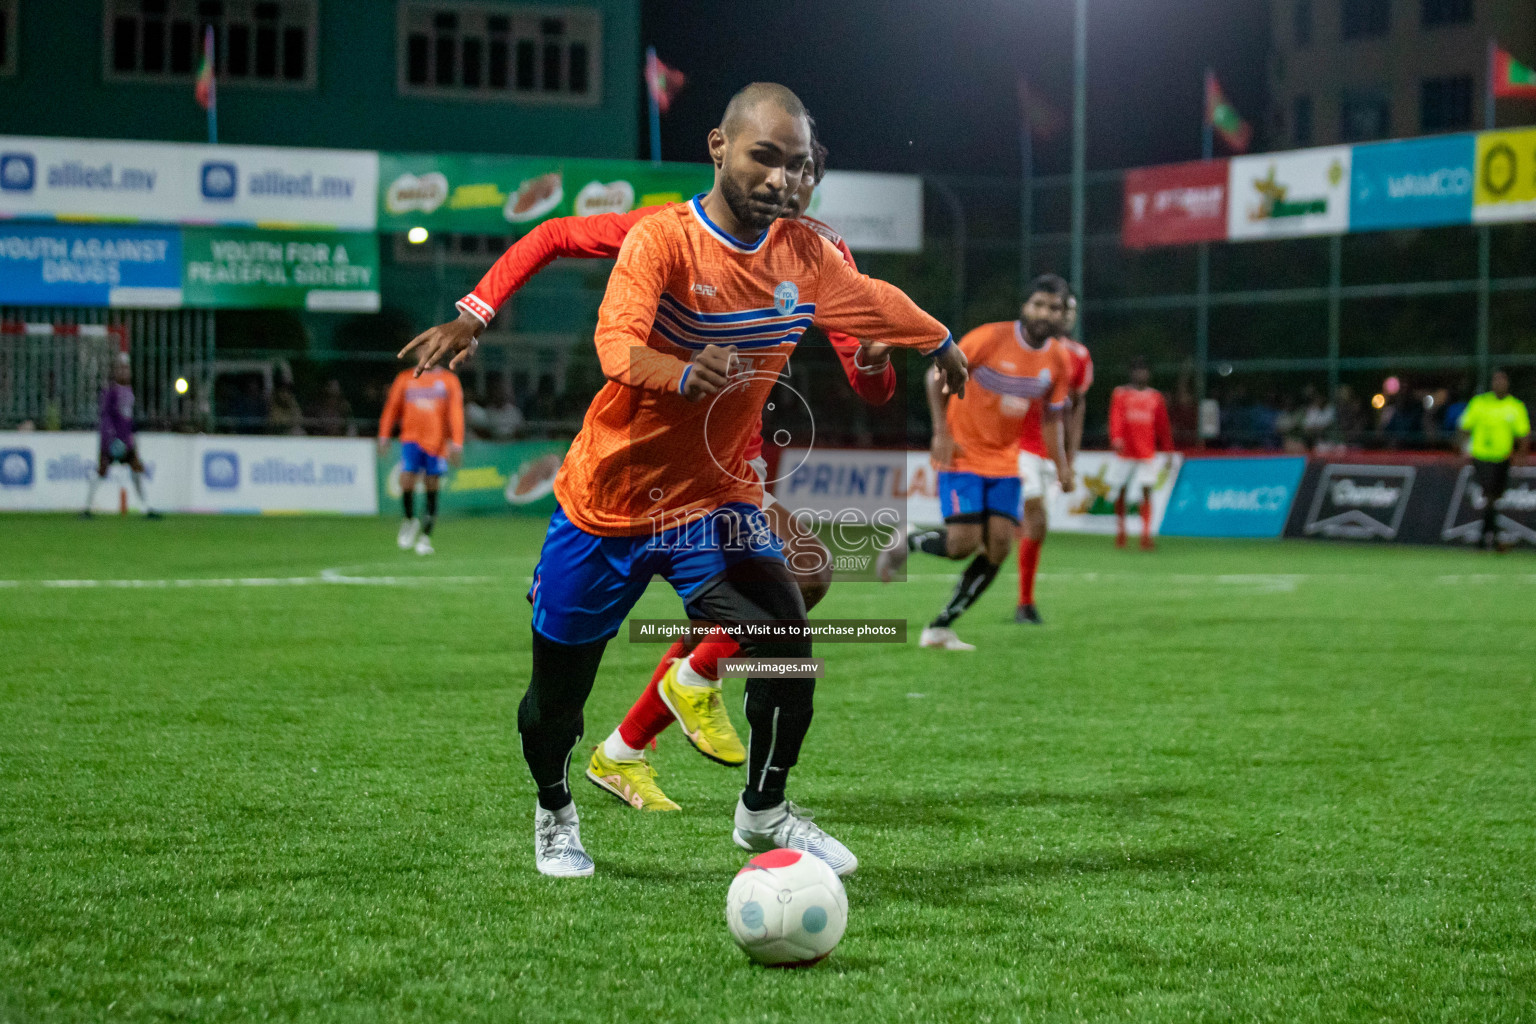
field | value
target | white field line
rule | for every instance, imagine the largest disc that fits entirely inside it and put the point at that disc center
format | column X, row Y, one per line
column 327, row 577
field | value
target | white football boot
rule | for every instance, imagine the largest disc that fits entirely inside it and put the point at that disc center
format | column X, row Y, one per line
column 943, row 638
column 424, row 545
column 787, row 827
column 892, row 557
column 407, row 535
column 557, row 848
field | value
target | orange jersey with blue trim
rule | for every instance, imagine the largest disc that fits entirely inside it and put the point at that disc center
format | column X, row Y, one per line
column 1009, row 381
column 1031, row 437
column 646, row 455
column 429, row 409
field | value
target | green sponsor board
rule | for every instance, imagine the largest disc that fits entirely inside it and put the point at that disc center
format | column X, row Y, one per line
column 499, row 195
column 234, row 268
column 516, row 477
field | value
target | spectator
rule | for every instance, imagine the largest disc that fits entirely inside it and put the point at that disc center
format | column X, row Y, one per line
column 1318, row 418
column 333, row 416
column 285, row 416
column 1349, row 414
column 477, row 418
column 506, row 419
column 1288, row 426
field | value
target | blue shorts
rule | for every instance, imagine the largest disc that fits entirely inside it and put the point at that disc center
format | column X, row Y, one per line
column 971, row 497
column 414, row 460
column 585, row 585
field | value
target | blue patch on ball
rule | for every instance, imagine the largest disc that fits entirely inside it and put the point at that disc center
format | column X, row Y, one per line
column 752, row 915
column 814, row 919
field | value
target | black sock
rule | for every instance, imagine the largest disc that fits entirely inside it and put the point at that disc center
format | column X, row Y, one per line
column 779, row 713
column 978, row 576
column 1490, row 522
column 431, row 520
column 408, row 503
column 933, row 542
column 549, row 718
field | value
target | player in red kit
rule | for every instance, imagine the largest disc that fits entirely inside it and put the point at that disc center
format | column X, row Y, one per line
column 686, row 683
column 1037, row 466
column 1138, row 431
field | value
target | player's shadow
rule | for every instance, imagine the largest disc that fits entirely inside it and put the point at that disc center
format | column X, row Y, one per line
column 968, row 807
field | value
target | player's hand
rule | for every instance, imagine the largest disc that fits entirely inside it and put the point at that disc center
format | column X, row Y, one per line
column 455, row 340
column 872, row 356
column 1068, row 479
column 383, row 446
column 943, row 449
column 951, row 364
column 455, row 455
column 712, row 368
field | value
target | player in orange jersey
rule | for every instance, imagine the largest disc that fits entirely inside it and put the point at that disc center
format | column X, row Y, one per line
column 657, row 483
column 430, row 412
column 1037, row 464
column 1016, row 367
column 1138, row 431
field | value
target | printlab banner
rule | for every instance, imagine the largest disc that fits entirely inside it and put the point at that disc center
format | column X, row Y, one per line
column 92, row 179
column 167, row 268
column 516, row 477
column 510, row 195
column 1418, row 183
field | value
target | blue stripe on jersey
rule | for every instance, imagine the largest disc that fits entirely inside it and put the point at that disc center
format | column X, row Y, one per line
column 708, row 319
column 1006, row 384
column 725, row 334
column 682, row 341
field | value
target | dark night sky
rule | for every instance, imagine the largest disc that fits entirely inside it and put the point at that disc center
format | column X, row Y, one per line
column 912, row 86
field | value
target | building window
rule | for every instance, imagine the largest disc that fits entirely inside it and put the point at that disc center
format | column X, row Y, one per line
column 1301, row 23
column 1445, row 104
column 1301, row 120
column 255, row 42
column 1434, row 13
column 8, row 36
column 501, row 52
column 1365, row 115
column 1363, row 19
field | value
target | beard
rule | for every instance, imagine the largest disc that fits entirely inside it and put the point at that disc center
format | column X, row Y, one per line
column 745, row 210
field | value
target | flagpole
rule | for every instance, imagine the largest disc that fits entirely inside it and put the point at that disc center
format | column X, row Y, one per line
column 1485, row 238
column 1079, row 146
column 650, row 91
column 1026, row 200
column 1203, row 266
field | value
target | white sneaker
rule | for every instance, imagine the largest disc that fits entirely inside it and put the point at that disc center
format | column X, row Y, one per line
column 787, row 827
column 892, row 557
column 943, row 638
column 557, row 849
column 407, row 535
column 424, row 545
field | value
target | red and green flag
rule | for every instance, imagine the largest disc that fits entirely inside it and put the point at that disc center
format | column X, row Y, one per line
column 662, row 82
column 1221, row 115
column 1512, row 79
column 207, row 93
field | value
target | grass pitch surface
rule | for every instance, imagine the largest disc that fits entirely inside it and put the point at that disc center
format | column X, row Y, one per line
column 1226, row 781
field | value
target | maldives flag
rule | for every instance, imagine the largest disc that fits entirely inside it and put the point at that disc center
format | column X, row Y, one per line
column 1223, row 116
column 1510, row 77
column 207, row 93
column 662, row 81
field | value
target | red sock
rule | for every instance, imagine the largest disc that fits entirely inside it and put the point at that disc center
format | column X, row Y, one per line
column 1029, row 561
column 1120, row 515
column 705, row 658
column 1146, row 518
column 649, row 715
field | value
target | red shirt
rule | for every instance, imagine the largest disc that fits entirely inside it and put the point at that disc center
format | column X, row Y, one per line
column 601, row 236
column 1079, row 380
column 1138, row 422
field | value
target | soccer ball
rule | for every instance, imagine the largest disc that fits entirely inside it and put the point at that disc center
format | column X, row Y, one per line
column 786, row 908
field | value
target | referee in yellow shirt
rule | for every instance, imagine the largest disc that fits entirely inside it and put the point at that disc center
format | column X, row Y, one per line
column 1494, row 422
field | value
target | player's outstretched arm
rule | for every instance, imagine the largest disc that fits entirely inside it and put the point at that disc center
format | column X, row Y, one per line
column 624, row 321
column 867, row 366
column 942, row 447
column 454, row 341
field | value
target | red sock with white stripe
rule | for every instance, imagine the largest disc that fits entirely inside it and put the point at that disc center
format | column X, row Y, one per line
column 704, row 662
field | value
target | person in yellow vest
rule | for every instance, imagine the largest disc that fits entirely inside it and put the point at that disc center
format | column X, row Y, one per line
column 1495, row 423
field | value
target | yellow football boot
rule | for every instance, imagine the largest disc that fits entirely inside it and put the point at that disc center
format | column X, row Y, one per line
column 633, row 782
column 702, row 716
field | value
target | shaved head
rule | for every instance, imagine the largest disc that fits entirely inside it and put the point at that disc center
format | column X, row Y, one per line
column 753, row 96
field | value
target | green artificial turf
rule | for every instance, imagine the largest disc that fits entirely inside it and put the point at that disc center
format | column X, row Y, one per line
column 1226, row 781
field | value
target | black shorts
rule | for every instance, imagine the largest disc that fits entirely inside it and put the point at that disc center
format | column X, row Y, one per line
column 1492, row 478
column 127, row 454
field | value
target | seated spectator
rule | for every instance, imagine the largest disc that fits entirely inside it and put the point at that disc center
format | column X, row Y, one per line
column 333, row 416
column 285, row 416
column 1318, row 418
column 506, row 419
column 477, row 419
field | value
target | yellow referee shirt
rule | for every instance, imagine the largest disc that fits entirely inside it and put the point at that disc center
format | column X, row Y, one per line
column 1495, row 424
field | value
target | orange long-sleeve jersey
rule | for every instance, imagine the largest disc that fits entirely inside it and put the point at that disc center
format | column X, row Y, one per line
column 645, row 455
column 1031, row 430
column 602, row 236
column 1009, row 380
column 429, row 410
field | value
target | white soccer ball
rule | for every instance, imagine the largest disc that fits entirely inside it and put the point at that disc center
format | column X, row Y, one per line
column 786, row 908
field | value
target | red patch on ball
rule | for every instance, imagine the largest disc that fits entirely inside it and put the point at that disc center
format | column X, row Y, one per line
column 776, row 859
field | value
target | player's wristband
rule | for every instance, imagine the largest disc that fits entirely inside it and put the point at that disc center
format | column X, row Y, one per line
column 682, row 382
column 476, row 307
column 949, row 339
column 877, row 368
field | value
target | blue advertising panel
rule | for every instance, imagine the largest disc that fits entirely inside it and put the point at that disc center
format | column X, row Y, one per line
column 67, row 265
column 1418, row 183
column 1233, row 497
